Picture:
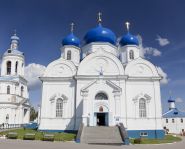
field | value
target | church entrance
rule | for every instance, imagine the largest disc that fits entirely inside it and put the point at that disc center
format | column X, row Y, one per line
column 102, row 119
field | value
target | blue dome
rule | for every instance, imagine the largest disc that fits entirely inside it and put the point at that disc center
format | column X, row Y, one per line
column 129, row 39
column 100, row 34
column 71, row 39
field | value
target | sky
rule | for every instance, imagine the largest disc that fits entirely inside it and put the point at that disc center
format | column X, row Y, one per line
column 42, row 24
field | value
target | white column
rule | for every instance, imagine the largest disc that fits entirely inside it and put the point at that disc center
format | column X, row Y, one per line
column 12, row 67
column 85, row 108
column 117, row 107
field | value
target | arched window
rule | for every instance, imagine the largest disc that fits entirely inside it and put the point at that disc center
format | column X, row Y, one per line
column 131, row 54
column 7, row 118
column 166, row 120
column 16, row 66
column 59, row 108
column 173, row 121
column 22, row 90
column 142, row 107
column 101, row 96
column 69, row 55
column 8, row 89
column 8, row 67
column 181, row 120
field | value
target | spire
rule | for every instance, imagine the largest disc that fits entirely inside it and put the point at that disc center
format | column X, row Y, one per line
column 14, row 41
column 171, row 101
column 99, row 18
column 127, row 26
column 15, row 32
column 72, row 27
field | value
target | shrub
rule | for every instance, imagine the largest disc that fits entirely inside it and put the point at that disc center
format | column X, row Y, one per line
column 12, row 135
column 29, row 136
column 48, row 137
column 137, row 141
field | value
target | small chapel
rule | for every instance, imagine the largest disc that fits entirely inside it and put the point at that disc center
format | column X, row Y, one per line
column 14, row 97
column 101, row 83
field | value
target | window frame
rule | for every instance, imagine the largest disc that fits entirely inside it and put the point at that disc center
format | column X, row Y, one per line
column 131, row 54
column 8, row 89
column 8, row 67
column 101, row 94
column 69, row 55
column 22, row 90
column 59, row 108
column 143, row 134
column 16, row 67
column 142, row 108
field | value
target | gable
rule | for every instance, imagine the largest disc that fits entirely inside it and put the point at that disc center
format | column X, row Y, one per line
column 100, row 62
column 60, row 68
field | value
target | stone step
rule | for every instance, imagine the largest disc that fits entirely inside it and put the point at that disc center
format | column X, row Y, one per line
column 101, row 135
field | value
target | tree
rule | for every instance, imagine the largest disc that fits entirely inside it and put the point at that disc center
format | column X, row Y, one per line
column 33, row 114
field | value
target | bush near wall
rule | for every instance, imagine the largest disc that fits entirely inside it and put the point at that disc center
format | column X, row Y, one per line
column 12, row 135
column 29, row 136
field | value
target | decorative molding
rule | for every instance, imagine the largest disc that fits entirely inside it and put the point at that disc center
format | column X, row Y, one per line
column 58, row 95
column 141, row 95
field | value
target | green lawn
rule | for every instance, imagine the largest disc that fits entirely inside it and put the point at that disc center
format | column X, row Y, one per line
column 39, row 135
column 167, row 139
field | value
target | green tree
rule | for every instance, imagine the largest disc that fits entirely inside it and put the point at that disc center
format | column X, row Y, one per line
column 33, row 114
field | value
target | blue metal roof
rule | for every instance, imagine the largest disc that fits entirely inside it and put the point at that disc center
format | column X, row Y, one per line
column 100, row 34
column 71, row 39
column 174, row 113
column 129, row 39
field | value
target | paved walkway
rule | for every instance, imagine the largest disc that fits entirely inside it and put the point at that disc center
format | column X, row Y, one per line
column 20, row 144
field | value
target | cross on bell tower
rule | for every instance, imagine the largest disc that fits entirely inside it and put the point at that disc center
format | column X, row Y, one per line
column 72, row 27
column 99, row 18
column 127, row 26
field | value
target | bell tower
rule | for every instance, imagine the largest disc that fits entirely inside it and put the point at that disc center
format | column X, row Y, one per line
column 129, row 46
column 71, row 47
column 13, row 59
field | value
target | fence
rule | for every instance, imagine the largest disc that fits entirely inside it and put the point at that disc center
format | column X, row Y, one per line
column 9, row 126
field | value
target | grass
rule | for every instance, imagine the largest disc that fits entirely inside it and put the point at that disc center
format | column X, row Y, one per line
column 167, row 139
column 39, row 135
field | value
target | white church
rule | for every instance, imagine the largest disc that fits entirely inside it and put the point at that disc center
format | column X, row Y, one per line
column 102, row 83
column 14, row 97
column 174, row 119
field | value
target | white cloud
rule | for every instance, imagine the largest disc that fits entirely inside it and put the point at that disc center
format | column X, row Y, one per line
column 32, row 73
column 147, row 50
column 179, row 100
column 165, row 78
column 162, row 41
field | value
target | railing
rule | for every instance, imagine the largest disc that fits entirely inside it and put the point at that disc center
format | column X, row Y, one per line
column 124, row 134
column 78, row 137
column 10, row 126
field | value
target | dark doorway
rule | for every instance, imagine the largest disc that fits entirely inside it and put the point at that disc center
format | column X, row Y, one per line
column 101, row 119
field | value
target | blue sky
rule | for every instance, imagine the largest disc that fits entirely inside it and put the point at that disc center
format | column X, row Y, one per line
column 42, row 24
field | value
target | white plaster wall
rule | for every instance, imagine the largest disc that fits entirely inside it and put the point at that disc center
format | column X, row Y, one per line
column 48, row 106
column 136, row 90
column 94, row 47
column 175, row 127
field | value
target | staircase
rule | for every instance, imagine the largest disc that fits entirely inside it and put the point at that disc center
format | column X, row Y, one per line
column 101, row 135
